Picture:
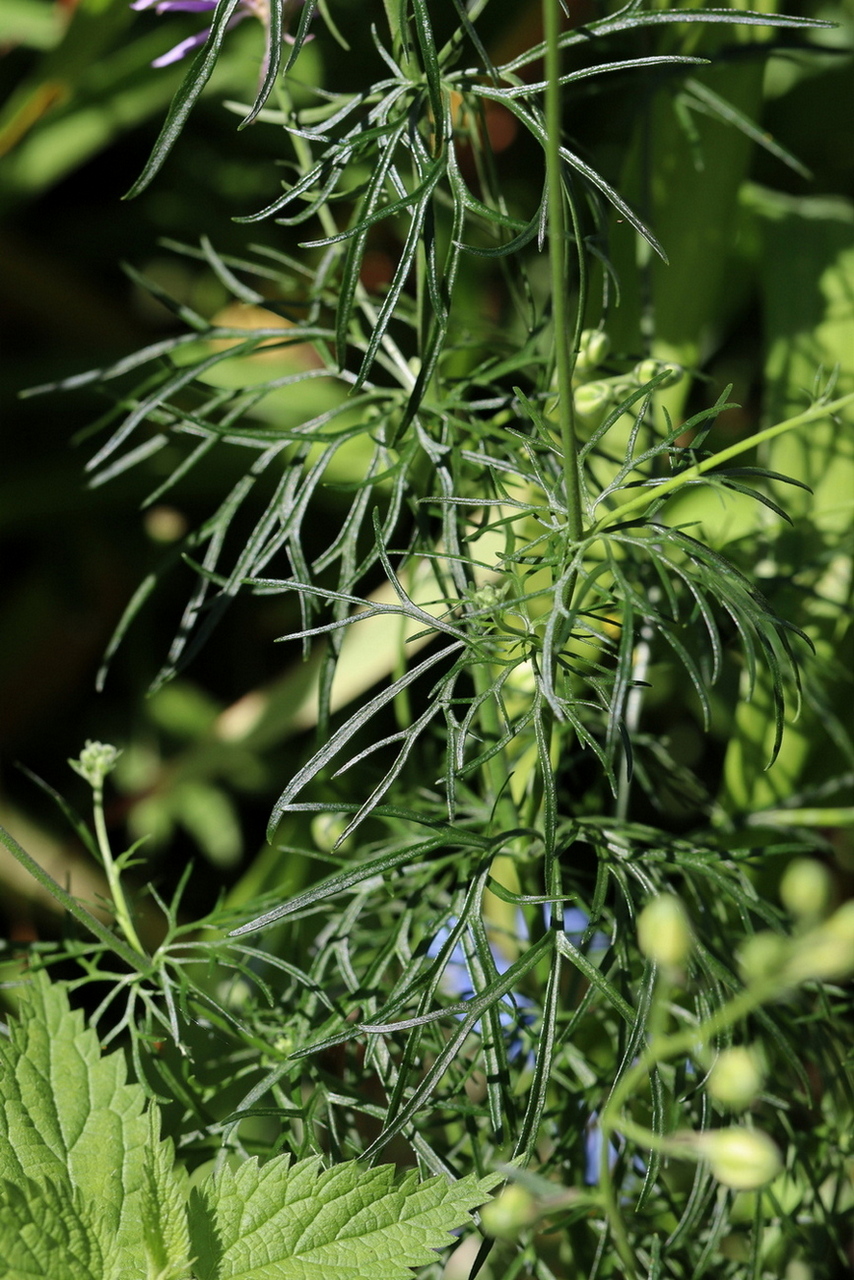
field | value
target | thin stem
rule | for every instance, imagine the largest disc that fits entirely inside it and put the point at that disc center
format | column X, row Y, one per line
column 645, row 499
column 393, row 14
column 564, row 356
column 70, row 903
column 664, row 1048
column 304, row 158
column 123, row 916
column 612, row 1211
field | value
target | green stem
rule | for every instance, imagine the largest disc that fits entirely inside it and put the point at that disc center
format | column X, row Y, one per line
column 840, row 817
column 648, row 496
column 71, row 905
column 117, row 893
column 613, row 1214
column 331, row 228
column 494, row 770
column 392, row 13
column 658, row 1012
column 663, row 1048
column 564, row 356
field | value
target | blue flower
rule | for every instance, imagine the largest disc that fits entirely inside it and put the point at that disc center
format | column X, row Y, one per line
column 246, row 9
column 515, row 1013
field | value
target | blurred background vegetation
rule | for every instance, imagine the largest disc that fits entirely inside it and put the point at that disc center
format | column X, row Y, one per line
column 80, row 108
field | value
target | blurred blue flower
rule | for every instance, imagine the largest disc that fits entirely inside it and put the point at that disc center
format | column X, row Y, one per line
column 516, row 1012
column 246, row 9
column 593, row 1151
column 575, row 922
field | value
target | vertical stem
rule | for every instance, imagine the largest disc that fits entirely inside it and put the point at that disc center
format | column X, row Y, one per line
column 117, row 893
column 564, row 355
column 331, row 228
column 395, row 26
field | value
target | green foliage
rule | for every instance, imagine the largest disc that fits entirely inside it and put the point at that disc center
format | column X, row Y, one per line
column 564, row 633
column 91, row 1192
column 82, row 1165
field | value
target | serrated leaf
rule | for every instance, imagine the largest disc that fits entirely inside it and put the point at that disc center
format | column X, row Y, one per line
column 166, row 1234
column 279, row 1221
column 67, row 1112
column 46, row 1233
column 71, row 1125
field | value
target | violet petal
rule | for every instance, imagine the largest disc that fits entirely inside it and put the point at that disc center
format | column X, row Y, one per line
column 180, row 51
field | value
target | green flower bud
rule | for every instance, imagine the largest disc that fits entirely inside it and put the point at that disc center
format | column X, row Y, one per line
column 806, row 888
column 489, row 595
column 592, row 350
column 763, row 956
column 509, row 1213
column 649, row 369
column 744, row 1159
column 591, row 398
column 664, row 931
column 95, row 761
column 825, row 954
column 841, row 924
column 736, row 1078
column 327, row 829
column 797, row 1270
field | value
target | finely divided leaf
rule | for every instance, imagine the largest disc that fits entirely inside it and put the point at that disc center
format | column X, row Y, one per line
column 281, row 1222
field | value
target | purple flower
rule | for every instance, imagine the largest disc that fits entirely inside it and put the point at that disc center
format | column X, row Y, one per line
column 246, row 9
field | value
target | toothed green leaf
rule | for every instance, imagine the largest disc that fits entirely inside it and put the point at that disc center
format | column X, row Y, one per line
column 299, row 1222
column 166, row 1235
column 102, row 1199
column 47, row 1233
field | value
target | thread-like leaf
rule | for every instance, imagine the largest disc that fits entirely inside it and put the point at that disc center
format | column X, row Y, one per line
column 185, row 99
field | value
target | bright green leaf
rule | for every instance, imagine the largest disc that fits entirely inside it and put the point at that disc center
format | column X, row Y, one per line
column 164, row 1209
column 283, row 1222
column 72, row 1126
column 46, row 1233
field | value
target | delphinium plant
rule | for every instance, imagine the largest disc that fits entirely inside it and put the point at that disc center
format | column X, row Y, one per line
column 474, row 458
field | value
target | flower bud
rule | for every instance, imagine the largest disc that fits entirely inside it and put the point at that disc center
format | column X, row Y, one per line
column 592, row 350
column 744, row 1159
column 664, row 931
column 736, row 1078
column 649, row 369
column 591, row 398
column 841, row 924
column 95, row 761
column 763, row 956
column 327, row 829
column 509, row 1213
column 825, row 954
column 805, row 888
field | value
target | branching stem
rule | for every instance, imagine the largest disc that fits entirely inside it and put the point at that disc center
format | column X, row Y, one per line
column 677, row 482
column 71, row 905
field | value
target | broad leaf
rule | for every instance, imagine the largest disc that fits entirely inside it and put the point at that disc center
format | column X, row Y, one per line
column 300, row 1222
column 88, row 1191
column 73, row 1128
column 166, row 1236
column 46, row 1232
